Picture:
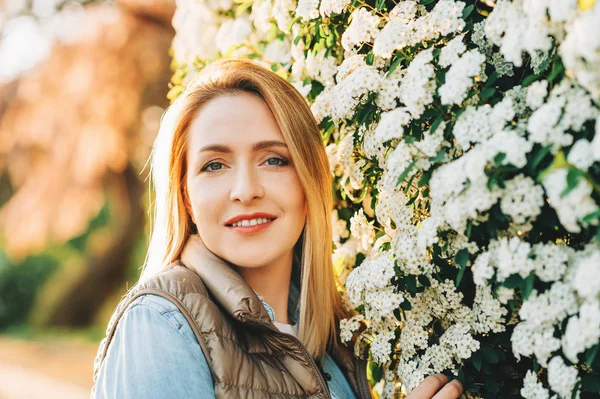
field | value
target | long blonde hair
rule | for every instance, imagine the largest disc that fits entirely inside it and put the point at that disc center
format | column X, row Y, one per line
column 320, row 304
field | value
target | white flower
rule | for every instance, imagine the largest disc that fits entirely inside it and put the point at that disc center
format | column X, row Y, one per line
column 459, row 78
column 338, row 226
column 261, row 15
column 196, row 26
column 391, row 124
column 404, row 30
column 473, row 126
column 489, row 312
column 349, row 326
column 580, row 50
column 348, row 91
column 329, row 7
column 452, row 51
column 550, row 261
column 544, row 343
column 382, row 303
column 362, row 229
column 386, row 98
column 532, row 388
column 575, row 205
column 511, row 257
column 522, row 340
column 596, row 141
column 522, row 199
column 281, row 12
column 321, row 106
column 582, row 331
column 581, row 154
column 418, row 85
column 307, row 9
column 561, row 377
column 586, row 279
column 542, row 125
column 536, row 92
column 363, row 28
column 550, row 307
column 483, row 269
column 278, row 51
column 381, row 348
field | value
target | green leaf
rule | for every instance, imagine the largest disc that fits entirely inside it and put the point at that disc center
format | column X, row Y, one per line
column 557, row 69
column 573, row 176
column 590, row 355
column 380, row 5
column 487, row 93
column 529, row 80
column 559, row 161
column 477, row 360
column 398, row 59
column 436, row 123
column 499, row 158
column 405, row 305
column 413, row 198
column 461, row 259
column 591, row 216
column 467, row 11
column 375, row 372
column 410, row 283
column 406, row 171
column 425, row 178
column 426, row 2
column 370, row 58
column 513, row 281
column 539, row 157
column 439, row 157
column 490, row 355
column 526, row 286
column 491, row 79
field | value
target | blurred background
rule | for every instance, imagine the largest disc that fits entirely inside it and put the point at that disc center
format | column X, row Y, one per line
column 83, row 84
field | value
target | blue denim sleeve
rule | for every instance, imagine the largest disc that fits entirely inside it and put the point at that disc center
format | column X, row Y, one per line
column 154, row 354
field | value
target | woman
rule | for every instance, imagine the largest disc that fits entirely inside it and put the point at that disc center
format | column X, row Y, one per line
column 237, row 297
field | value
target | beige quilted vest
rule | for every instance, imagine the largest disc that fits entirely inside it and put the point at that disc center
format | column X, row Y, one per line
column 248, row 356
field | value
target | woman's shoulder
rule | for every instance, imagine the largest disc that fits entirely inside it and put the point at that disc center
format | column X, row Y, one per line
column 152, row 351
column 148, row 310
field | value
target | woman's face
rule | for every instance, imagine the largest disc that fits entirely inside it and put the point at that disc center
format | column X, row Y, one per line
column 240, row 172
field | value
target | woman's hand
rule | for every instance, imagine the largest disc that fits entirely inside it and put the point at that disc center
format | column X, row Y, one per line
column 437, row 387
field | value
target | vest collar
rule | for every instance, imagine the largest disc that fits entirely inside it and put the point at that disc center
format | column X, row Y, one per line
column 235, row 296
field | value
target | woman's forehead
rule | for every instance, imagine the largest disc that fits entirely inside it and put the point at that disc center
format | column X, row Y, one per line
column 233, row 121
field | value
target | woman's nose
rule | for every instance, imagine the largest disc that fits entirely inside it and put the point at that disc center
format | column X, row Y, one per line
column 246, row 185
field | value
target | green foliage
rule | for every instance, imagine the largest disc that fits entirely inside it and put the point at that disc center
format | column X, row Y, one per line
column 19, row 283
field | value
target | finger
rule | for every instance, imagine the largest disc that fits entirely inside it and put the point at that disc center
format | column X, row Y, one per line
column 428, row 387
column 451, row 390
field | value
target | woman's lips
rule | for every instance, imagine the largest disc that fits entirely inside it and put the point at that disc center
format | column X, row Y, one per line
column 252, row 229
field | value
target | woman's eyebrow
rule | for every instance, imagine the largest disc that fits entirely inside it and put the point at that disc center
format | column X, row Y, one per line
column 260, row 145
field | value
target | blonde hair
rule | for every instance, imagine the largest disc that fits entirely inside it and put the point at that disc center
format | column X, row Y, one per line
column 320, row 304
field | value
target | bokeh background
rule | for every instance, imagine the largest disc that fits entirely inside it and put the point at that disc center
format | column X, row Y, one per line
column 83, row 84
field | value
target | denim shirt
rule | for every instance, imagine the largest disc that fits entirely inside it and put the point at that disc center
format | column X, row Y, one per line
column 155, row 354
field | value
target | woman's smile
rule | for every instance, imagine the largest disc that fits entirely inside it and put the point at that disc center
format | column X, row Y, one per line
column 250, row 223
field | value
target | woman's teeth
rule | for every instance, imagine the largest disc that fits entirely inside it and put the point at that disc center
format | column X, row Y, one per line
column 252, row 222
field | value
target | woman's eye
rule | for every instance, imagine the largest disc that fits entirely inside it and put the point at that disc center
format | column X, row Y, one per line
column 212, row 167
column 277, row 161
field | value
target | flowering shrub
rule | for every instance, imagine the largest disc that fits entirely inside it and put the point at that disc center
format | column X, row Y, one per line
column 462, row 139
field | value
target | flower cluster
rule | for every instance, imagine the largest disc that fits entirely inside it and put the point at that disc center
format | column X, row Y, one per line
column 462, row 139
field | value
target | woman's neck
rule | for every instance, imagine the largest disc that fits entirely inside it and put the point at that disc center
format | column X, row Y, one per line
column 272, row 282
